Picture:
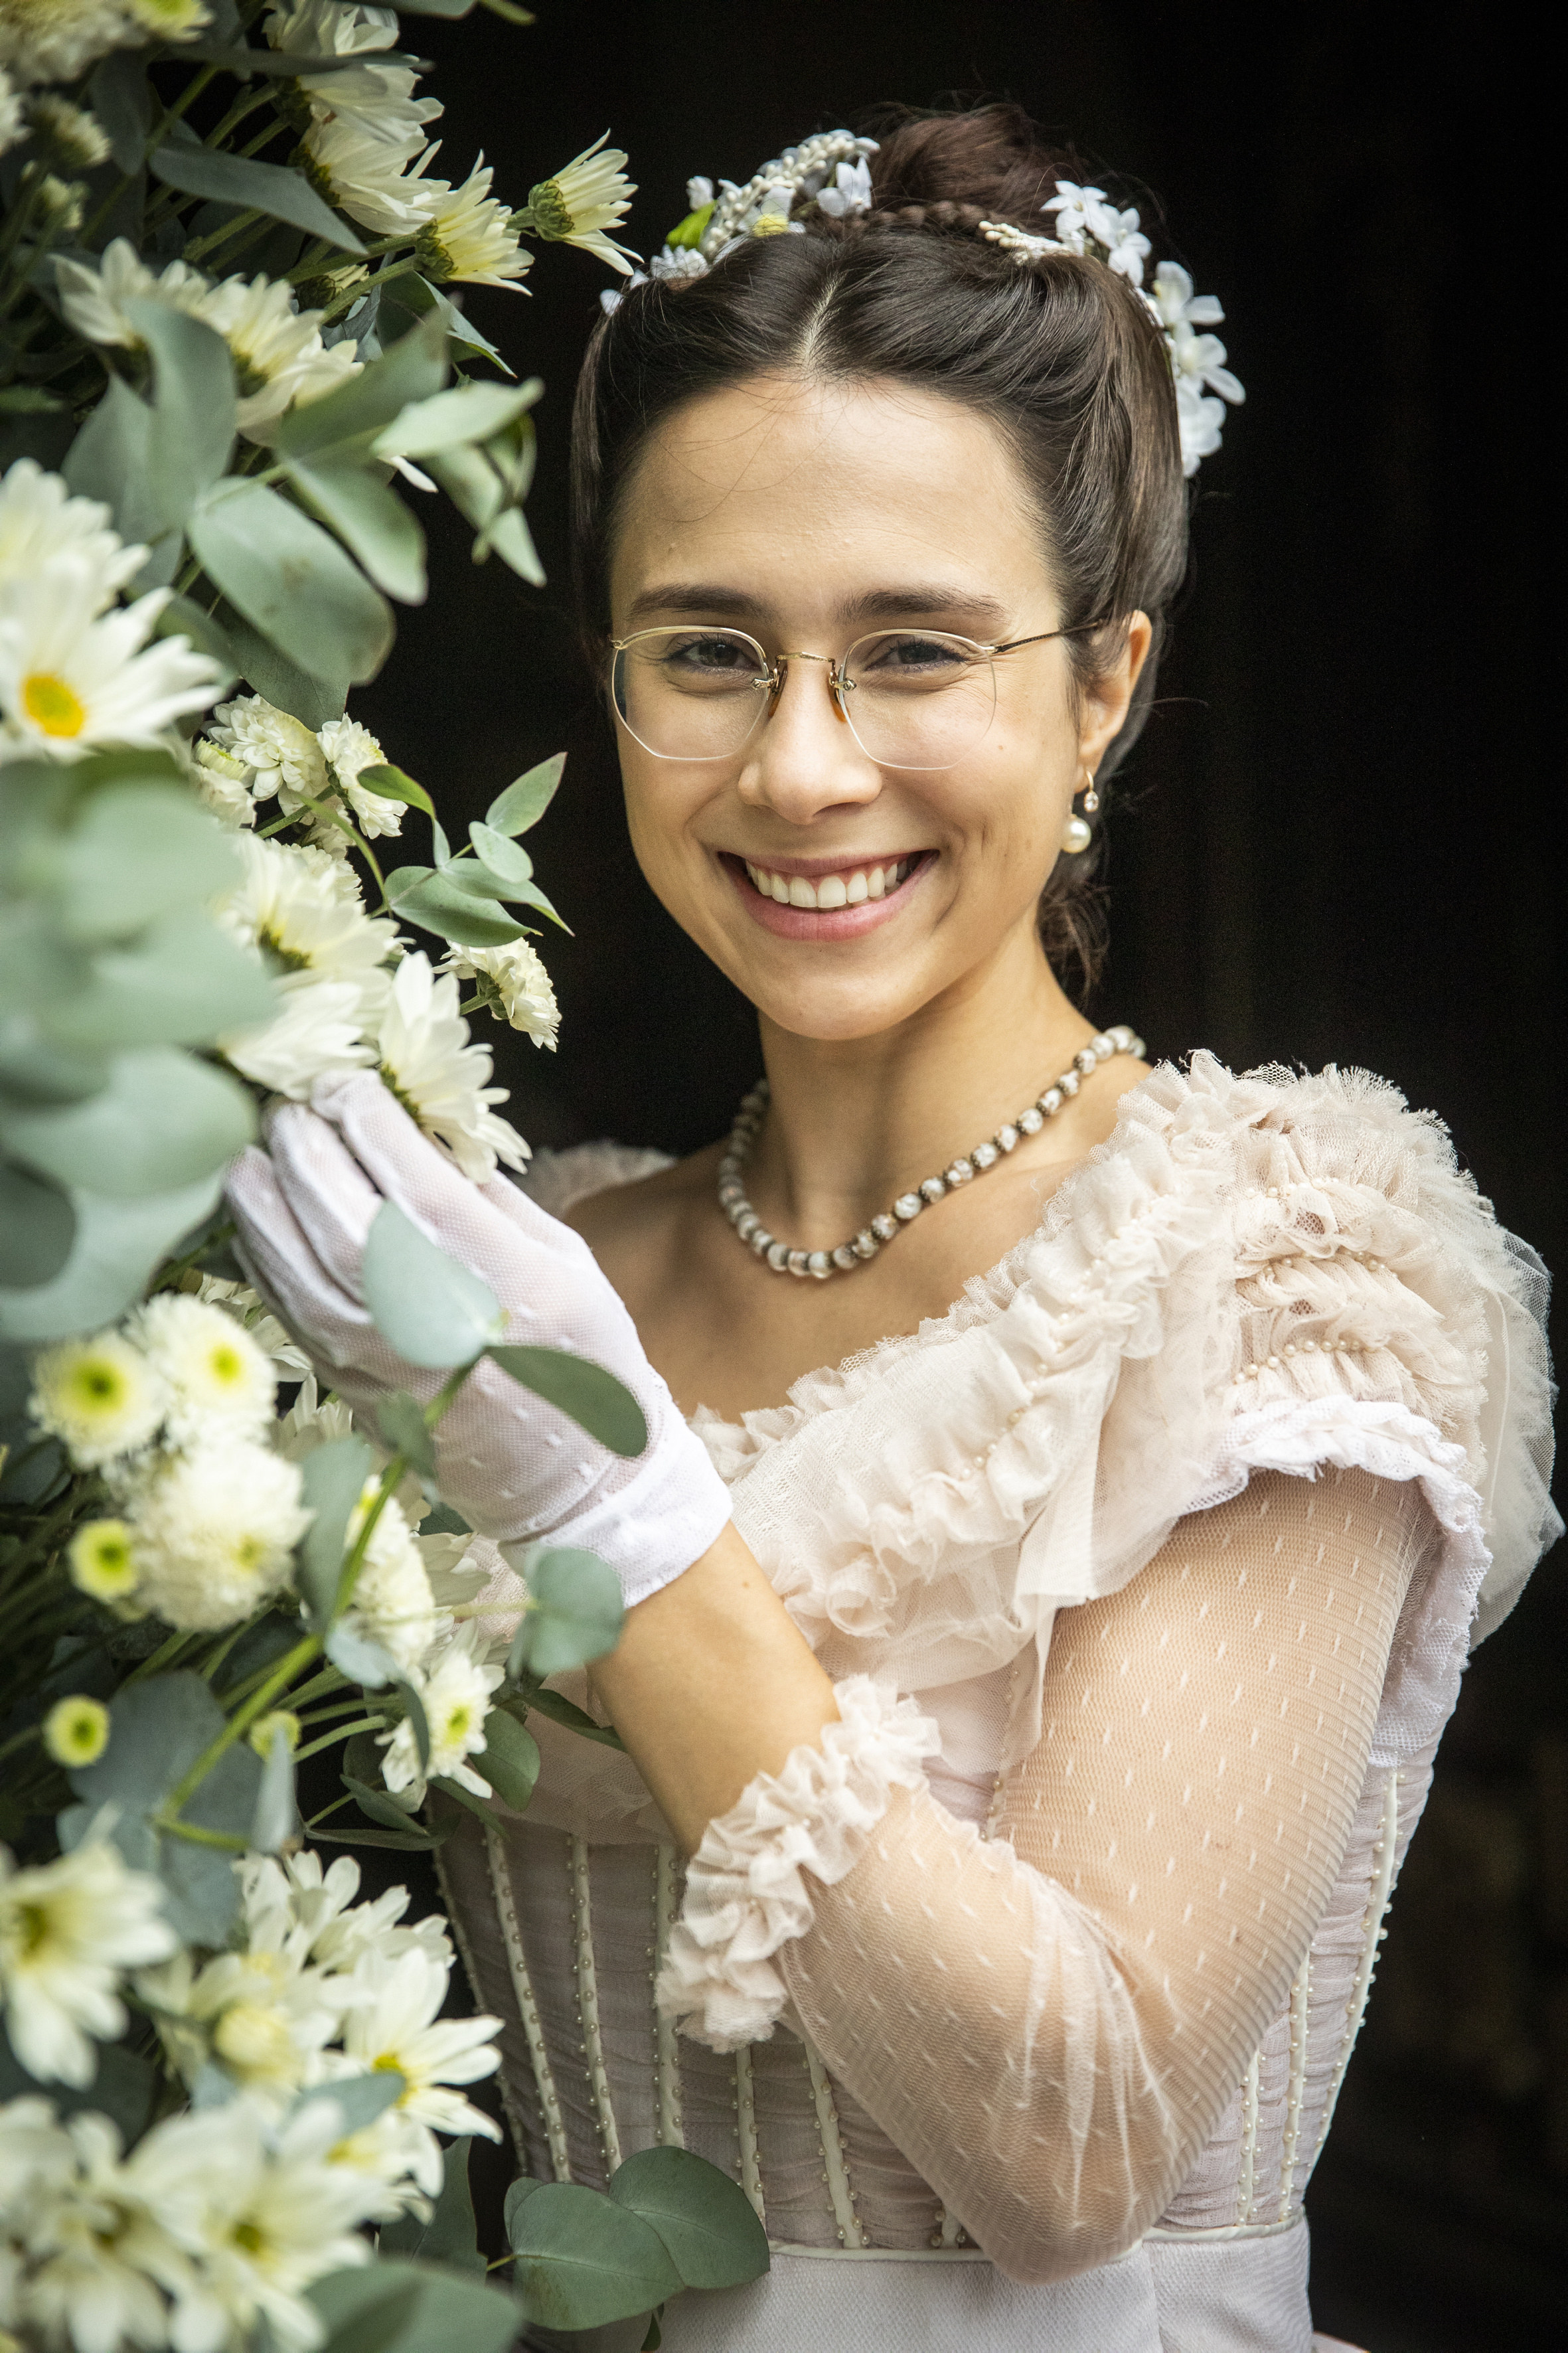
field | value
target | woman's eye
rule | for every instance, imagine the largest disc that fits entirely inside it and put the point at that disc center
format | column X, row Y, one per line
column 709, row 656
column 911, row 655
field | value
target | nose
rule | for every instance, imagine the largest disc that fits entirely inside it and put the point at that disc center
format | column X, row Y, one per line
column 803, row 761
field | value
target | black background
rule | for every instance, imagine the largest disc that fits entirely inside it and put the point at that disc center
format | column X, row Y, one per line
column 1340, row 839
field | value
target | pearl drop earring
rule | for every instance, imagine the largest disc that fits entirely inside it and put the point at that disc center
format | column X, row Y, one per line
column 1076, row 834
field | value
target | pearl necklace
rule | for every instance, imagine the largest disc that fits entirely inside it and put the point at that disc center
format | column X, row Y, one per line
column 907, row 1207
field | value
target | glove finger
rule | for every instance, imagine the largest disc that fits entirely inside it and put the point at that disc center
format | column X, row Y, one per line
column 331, row 1197
column 407, row 1168
column 280, row 1265
column 506, row 1196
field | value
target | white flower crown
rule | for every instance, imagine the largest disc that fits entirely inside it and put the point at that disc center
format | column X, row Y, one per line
column 829, row 170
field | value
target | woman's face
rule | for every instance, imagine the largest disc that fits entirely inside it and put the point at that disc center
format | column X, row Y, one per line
column 808, row 514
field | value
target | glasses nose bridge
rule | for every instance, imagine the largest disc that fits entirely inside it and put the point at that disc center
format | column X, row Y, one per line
column 836, row 681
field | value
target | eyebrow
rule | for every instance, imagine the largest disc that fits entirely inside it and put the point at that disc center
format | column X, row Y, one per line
column 706, row 599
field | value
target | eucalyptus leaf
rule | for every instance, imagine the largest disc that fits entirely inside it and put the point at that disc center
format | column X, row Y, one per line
column 441, row 1520
column 290, row 580
column 360, row 2099
column 448, row 2236
column 118, row 1243
column 472, row 483
column 563, row 1711
column 525, row 800
column 440, row 2308
column 583, row 2261
column 380, row 1807
column 521, row 2188
column 509, row 1760
column 466, row 1799
column 184, row 982
column 301, row 692
column 362, row 1661
column 136, row 852
column 194, row 417
column 164, row 1120
column 602, row 1404
column 433, row 1311
column 122, row 99
column 333, row 1478
column 413, row 1708
column 181, row 618
column 467, row 412
column 707, row 2221
column 123, row 2087
column 109, row 461
column 276, row 1817
column 407, row 301
column 405, row 1431
column 37, row 1225
column 370, row 519
column 393, row 785
column 259, row 187
column 348, row 419
column 399, row 1841
column 577, row 1610
column 500, row 854
column 438, row 906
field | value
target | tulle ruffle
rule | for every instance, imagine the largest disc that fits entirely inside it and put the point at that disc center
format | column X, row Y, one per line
column 746, row 1891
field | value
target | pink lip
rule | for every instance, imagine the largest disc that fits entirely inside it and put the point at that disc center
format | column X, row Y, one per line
column 820, row 922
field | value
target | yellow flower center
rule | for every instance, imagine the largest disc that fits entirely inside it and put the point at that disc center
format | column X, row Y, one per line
column 54, row 708
column 99, row 1384
column 248, row 2237
column 33, row 1928
column 459, row 1723
column 225, row 1363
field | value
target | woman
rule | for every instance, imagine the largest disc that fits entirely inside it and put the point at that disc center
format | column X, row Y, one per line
column 1045, row 1693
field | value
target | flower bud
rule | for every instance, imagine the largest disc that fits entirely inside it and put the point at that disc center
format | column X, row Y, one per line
column 76, row 1730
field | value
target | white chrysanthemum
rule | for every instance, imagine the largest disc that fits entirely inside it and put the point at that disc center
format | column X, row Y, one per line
column 398, row 2024
column 278, row 351
column 312, row 1421
column 512, row 982
column 349, row 749
column 319, row 1028
column 438, row 1076
column 591, row 196
column 374, row 170
column 392, row 1603
column 57, row 40
column 72, row 677
column 224, row 784
column 100, row 1558
column 262, row 2014
column 455, row 1691
column 279, row 751
column 469, row 237
column 68, row 1928
column 101, row 1395
column 262, row 2213
column 280, row 1348
column 98, row 2257
column 214, row 1532
column 93, row 296
column 381, row 96
column 218, row 1379
column 300, row 909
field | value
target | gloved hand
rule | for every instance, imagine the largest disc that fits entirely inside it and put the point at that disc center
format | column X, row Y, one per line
column 514, row 1465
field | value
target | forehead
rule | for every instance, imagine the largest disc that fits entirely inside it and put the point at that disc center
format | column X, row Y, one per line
column 818, row 483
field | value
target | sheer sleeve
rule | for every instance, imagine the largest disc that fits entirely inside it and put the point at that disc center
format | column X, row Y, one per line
column 1049, row 2020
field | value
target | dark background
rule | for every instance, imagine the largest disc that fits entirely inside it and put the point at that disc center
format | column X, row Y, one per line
column 1340, row 839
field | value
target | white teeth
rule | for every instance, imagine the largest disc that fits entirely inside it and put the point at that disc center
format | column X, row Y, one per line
column 847, row 890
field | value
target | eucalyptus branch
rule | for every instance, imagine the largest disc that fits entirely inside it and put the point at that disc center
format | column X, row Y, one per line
column 243, row 1718
column 339, row 1732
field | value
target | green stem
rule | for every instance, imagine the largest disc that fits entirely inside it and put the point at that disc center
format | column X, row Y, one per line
column 217, row 236
column 197, row 1836
column 330, row 1679
column 336, row 1807
column 313, row 267
column 210, row 1666
column 237, row 113
column 348, row 1576
column 161, row 1657
column 342, row 1732
column 243, row 1717
column 20, row 1739
column 362, row 287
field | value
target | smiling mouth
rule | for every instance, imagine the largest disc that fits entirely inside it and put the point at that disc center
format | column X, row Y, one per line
column 851, row 886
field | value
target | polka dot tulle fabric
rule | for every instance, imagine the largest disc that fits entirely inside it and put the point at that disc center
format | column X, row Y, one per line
column 1147, row 1576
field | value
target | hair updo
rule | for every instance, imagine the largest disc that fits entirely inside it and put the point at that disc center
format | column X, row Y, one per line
column 1061, row 354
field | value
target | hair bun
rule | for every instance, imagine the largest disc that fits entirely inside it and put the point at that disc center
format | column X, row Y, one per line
column 954, row 171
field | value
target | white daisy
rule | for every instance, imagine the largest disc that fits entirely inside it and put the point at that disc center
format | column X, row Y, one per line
column 318, row 1030
column 101, row 1395
column 303, row 911
column 213, row 1532
column 512, row 982
column 93, row 297
column 218, row 1379
column 396, row 2022
column 279, row 357
column 99, row 2259
column 380, row 97
column 455, row 1691
column 68, row 1928
column 349, row 748
column 262, row 2212
column 72, row 677
column 438, row 1076
column 469, row 237
column 591, row 195
column 377, row 179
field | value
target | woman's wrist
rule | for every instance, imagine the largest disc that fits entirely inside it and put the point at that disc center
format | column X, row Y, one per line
column 710, row 1685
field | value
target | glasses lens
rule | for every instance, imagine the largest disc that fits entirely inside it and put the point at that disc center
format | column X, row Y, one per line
column 690, row 694
column 917, row 699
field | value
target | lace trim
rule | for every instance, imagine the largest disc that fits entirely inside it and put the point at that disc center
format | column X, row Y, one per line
column 746, row 1893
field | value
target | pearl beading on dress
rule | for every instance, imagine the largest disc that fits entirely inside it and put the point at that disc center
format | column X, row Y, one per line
column 890, row 1222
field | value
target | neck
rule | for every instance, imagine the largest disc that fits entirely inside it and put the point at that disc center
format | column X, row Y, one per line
column 854, row 1121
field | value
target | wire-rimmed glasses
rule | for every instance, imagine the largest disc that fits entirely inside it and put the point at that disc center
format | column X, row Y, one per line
column 918, row 699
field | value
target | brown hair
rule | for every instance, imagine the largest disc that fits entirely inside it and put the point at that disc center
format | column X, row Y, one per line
column 1061, row 354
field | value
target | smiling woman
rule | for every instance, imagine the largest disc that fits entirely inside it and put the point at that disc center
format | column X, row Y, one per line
column 1041, row 1657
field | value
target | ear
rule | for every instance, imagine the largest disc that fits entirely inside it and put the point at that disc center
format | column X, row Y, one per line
column 1106, row 700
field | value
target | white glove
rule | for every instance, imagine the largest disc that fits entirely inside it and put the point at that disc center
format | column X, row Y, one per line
column 515, row 1466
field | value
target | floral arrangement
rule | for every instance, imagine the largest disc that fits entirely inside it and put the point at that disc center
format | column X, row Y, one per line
column 232, row 360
